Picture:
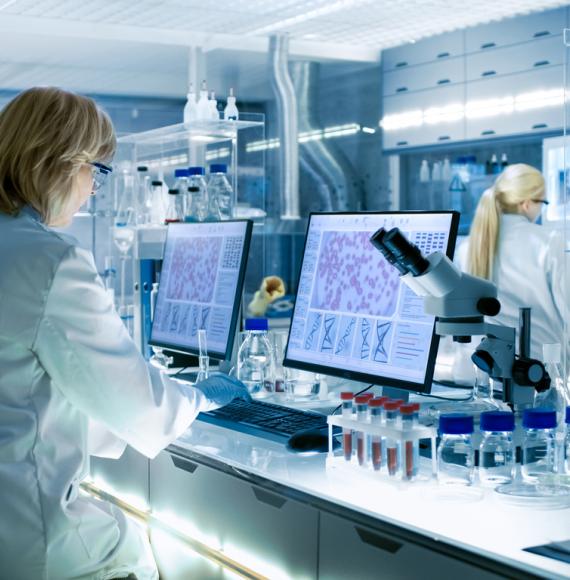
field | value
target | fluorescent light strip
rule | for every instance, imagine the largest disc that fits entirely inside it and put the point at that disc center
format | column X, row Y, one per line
column 477, row 109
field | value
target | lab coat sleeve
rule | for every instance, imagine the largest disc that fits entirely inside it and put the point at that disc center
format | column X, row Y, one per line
column 84, row 347
column 103, row 443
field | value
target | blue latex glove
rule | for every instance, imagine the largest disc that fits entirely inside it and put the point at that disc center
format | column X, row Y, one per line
column 222, row 389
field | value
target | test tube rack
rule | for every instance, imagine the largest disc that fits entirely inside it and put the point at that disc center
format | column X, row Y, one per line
column 396, row 434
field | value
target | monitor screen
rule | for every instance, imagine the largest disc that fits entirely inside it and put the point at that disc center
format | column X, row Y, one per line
column 353, row 318
column 201, row 285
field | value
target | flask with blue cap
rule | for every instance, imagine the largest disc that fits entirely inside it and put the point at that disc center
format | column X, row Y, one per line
column 538, row 448
column 455, row 457
column 255, row 362
column 497, row 449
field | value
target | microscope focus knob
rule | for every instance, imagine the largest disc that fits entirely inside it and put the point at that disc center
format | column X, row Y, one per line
column 483, row 360
column 488, row 306
column 528, row 372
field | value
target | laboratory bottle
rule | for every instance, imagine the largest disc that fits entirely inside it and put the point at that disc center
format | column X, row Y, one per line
column 446, row 170
column 436, row 171
column 255, row 364
column 409, row 448
column 455, row 456
column 143, row 197
column 347, row 398
column 219, row 188
column 198, row 208
column 504, row 161
column 203, row 106
column 157, row 212
column 376, row 418
column 567, row 442
column 495, row 167
column 362, row 416
column 538, row 446
column 188, row 208
column 231, row 112
column 497, row 449
column 391, row 415
column 190, row 109
column 424, row 171
column 214, row 115
column 175, row 209
column 556, row 396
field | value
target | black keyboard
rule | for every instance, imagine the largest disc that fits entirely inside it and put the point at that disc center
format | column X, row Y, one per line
column 265, row 420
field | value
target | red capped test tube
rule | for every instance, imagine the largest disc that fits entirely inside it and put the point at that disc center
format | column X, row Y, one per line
column 377, row 418
column 410, row 448
column 347, row 410
column 391, row 414
column 362, row 415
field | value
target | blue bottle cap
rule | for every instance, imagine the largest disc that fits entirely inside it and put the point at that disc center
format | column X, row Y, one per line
column 180, row 173
column 196, row 171
column 256, row 324
column 497, row 421
column 567, row 415
column 455, row 424
column 218, row 168
column 541, row 418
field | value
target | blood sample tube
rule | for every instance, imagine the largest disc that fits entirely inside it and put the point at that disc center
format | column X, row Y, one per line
column 376, row 418
column 408, row 447
column 347, row 410
column 391, row 414
column 416, row 447
column 362, row 414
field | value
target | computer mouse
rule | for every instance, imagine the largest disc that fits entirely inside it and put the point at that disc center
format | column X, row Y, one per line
column 316, row 440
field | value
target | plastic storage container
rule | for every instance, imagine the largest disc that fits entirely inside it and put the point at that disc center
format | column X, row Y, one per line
column 538, row 447
column 497, row 450
column 255, row 365
column 455, row 457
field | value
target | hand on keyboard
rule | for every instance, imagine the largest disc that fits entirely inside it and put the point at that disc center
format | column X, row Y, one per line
column 221, row 389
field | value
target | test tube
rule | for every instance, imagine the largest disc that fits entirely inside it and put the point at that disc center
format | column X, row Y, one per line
column 347, row 409
column 376, row 418
column 416, row 416
column 391, row 414
column 408, row 450
column 362, row 414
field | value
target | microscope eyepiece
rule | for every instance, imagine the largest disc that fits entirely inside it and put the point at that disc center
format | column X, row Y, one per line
column 405, row 253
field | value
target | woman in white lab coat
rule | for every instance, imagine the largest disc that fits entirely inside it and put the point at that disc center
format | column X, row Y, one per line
column 72, row 382
column 525, row 260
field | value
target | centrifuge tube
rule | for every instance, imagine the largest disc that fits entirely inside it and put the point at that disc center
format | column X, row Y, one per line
column 391, row 414
column 347, row 410
column 408, row 454
column 362, row 415
column 376, row 418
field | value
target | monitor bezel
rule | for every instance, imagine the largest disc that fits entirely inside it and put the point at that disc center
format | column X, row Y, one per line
column 352, row 375
column 237, row 298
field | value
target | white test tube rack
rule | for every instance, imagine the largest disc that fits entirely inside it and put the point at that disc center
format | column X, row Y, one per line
column 394, row 433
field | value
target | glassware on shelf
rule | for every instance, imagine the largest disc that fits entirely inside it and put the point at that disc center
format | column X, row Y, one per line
column 219, row 188
column 175, row 209
column 143, row 196
column 231, row 112
column 197, row 204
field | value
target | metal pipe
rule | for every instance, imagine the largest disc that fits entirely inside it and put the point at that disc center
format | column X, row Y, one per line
column 288, row 130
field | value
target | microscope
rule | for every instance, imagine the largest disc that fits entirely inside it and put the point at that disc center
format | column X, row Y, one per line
column 460, row 302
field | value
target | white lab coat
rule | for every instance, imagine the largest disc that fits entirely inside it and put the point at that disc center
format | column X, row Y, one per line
column 71, row 383
column 528, row 271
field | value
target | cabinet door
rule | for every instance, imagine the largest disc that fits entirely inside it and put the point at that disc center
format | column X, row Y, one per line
column 263, row 530
column 425, row 76
column 126, row 476
column 529, row 91
column 350, row 550
column 434, row 48
column 515, row 30
column 522, row 57
column 435, row 108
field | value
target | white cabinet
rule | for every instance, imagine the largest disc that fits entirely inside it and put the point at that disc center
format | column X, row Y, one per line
column 244, row 519
column 427, row 76
column 528, row 114
column 535, row 55
column 350, row 550
column 515, row 30
column 434, row 48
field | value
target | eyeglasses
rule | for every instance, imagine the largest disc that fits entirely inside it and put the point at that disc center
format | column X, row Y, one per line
column 544, row 201
column 100, row 173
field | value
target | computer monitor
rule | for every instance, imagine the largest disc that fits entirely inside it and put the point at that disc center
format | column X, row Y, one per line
column 201, row 285
column 353, row 317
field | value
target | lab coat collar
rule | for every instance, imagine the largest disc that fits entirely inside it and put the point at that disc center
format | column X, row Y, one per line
column 514, row 218
column 30, row 211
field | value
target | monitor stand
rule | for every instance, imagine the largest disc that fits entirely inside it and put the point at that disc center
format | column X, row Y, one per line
column 395, row 393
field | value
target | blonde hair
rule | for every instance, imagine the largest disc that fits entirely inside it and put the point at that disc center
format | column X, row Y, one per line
column 46, row 135
column 515, row 185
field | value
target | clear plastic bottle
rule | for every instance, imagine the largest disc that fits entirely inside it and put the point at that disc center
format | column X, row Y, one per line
column 231, row 112
column 410, row 449
column 198, row 208
column 219, row 188
column 175, row 209
column 497, row 449
column 377, row 418
column 556, row 397
column 158, row 212
column 455, row 456
column 347, row 398
column 363, row 416
column 567, row 442
column 190, row 109
column 203, row 106
column 255, row 365
column 538, row 447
